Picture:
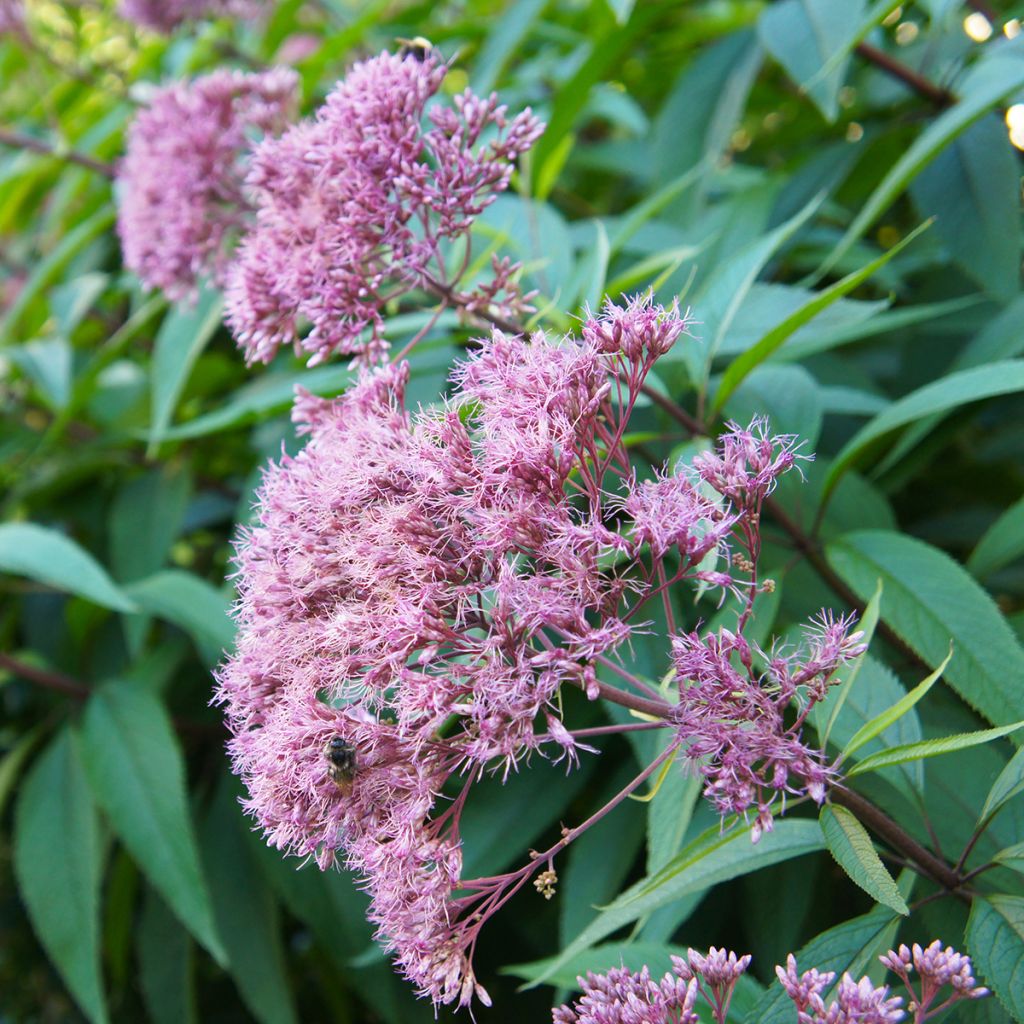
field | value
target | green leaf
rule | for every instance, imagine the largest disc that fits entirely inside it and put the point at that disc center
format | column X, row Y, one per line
column 930, row 748
column 1001, row 544
column 721, row 297
column 995, row 940
column 804, row 36
column 52, row 265
column 991, row 81
column 192, row 604
column 51, row 558
column 869, row 730
column 183, row 335
column 1009, row 783
column 972, row 188
column 777, row 336
column 58, row 863
column 788, row 395
column 246, row 913
column 711, row 858
column 166, row 974
column 501, row 42
column 70, row 302
column 137, row 775
column 930, row 600
column 851, row 846
column 1012, row 857
column 145, row 519
column 47, row 363
column 949, row 392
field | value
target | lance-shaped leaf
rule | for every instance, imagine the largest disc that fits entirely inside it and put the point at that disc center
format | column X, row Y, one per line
column 995, row 940
column 137, row 775
column 58, row 865
column 930, row 748
column 49, row 557
column 851, row 846
column 1009, row 783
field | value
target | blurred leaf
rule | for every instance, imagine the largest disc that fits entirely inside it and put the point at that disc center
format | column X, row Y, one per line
column 995, row 940
column 145, row 518
column 1012, row 857
column 622, row 9
column 507, row 33
column 1001, row 544
column 192, row 604
column 788, row 395
column 70, row 302
column 47, row 363
column 972, row 189
column 183, row 335
column 990, row 82
column 949, row 392
column 930, row 748
column 1009, row 784
column 48, row 269
column 703, row 108
column 929, row 600
column 166, row 970
column 51, row 558
column 805, row 35
column 58, row 863
column 137, row 776
column 729, row 284
column 711, row 858
column 851, row 846
column 777, row 336
column 246, row 913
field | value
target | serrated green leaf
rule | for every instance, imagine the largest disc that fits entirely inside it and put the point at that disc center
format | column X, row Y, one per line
column 58, row 863
column 49, row 557
column 930, row 748
column 1012, row 857
column 995, row 940
column 183, row 335
column 137, row 775
column 849, row 843
column 192, row 604
column 1009, row 783
column 930, row 600
column 950, row 392
column 867, row 732
column 711, row 858
column 778, row 335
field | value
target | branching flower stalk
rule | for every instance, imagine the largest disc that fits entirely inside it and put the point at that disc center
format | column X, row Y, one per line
column 418, row 589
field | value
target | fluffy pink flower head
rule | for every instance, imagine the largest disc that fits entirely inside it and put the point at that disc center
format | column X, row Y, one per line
column 408, row 571
column 166, row 15
column 181, row 179
column 355, row 205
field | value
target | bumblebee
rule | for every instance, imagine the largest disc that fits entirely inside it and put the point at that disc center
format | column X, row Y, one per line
column 419, row 48
column 341, row 763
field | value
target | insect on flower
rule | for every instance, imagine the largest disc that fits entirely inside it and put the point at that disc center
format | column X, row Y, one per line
column 419, row 48
column 341, row 763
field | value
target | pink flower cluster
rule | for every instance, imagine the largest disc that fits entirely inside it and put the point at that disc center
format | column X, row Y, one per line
column 166, row 15
column 12, row 16
column 417, row 589
column 360, row 205
column 624, row 997
column 733, row 716
column 181, row 179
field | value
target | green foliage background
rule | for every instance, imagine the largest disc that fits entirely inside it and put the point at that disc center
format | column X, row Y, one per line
column 766, row 162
